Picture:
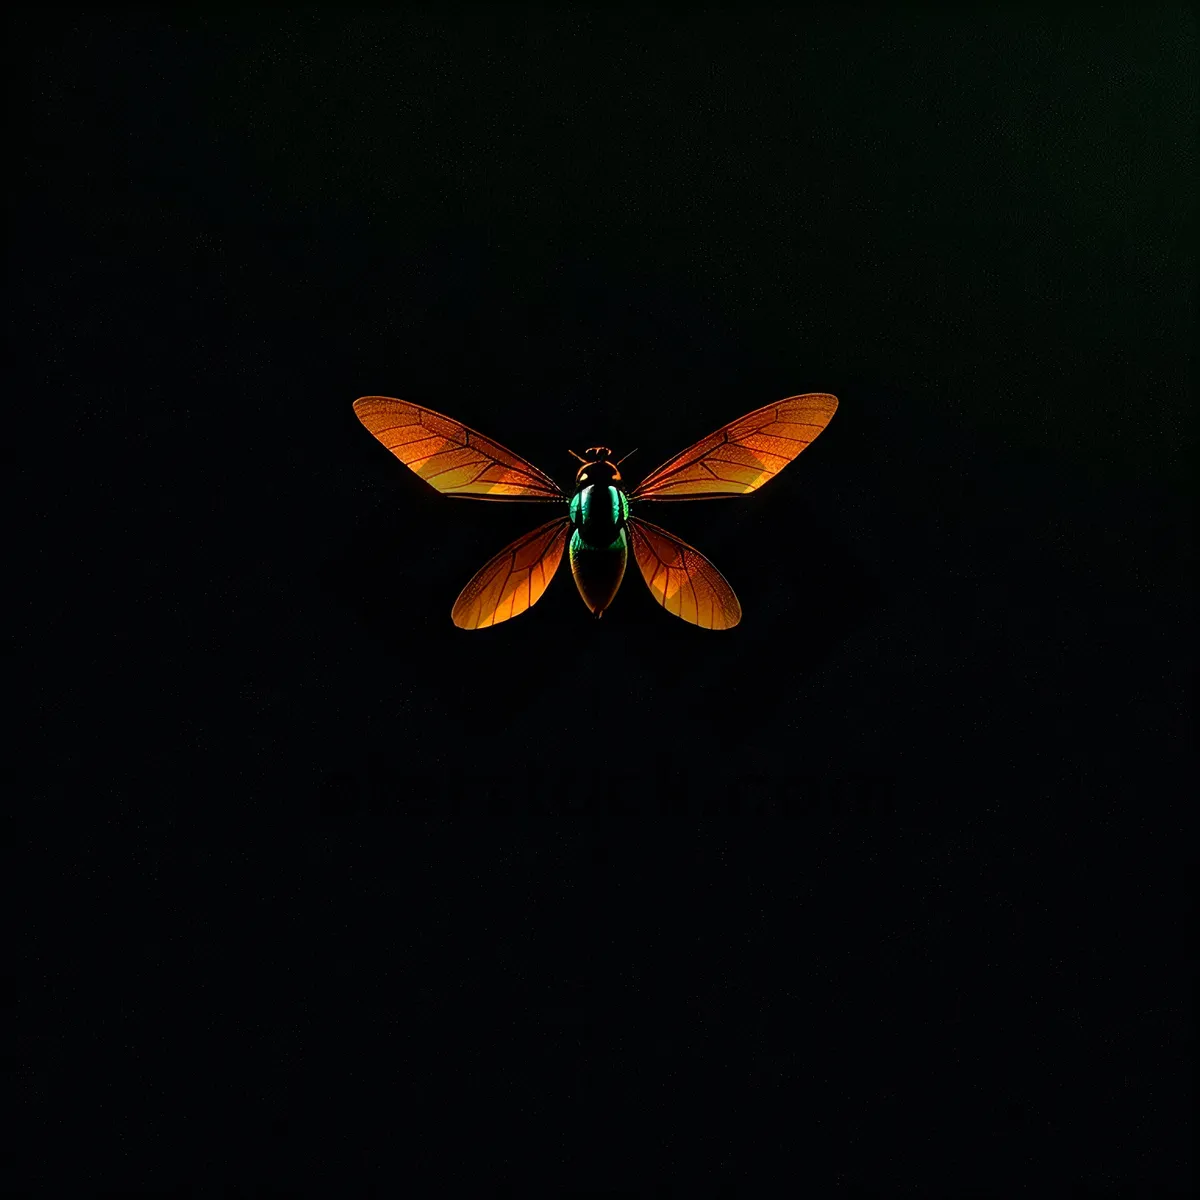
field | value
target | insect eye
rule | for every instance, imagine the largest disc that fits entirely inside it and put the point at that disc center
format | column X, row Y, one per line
column 583, row 477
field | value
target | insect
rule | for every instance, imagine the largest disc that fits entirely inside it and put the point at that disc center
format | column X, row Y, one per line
column 598, row 529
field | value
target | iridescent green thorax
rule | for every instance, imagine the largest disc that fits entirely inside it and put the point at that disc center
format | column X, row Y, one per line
column 598, row 515
column 599, row 506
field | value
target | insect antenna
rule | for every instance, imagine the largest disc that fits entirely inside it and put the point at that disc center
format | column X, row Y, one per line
column 578, row 456
column 630, row 454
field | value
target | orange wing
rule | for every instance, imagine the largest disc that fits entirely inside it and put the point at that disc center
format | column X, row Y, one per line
column 514, row 580
column 452, row 457
column 681, row 579
column 743, row 455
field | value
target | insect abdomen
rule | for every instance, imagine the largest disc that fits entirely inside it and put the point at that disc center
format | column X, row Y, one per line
column 598, row 572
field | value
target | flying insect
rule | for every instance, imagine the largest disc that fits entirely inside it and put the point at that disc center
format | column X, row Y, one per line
column 598, row 528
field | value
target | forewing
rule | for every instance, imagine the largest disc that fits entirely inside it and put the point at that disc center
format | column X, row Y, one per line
column 514, row 580
column 681, row 579
column 450, row 456
column 743, row 455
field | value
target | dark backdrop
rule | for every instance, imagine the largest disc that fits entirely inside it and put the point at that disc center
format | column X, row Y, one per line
column 883, row 888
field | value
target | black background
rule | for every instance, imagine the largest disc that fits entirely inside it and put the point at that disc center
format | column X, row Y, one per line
column 884, row 888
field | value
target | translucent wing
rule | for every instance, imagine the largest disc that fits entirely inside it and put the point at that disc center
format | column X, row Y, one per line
column 514, row 580
column 452, row 457
column 681, row 579
column 743, row 455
